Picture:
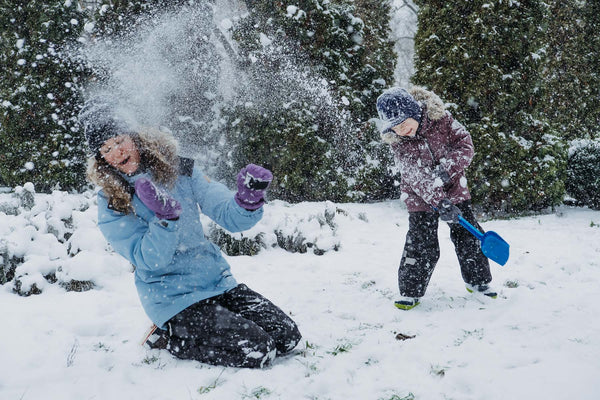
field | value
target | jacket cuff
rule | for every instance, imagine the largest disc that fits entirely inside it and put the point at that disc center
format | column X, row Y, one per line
column 246, row 212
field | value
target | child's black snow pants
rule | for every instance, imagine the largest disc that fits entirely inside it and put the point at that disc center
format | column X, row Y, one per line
column 422, row 251
column 239, row 328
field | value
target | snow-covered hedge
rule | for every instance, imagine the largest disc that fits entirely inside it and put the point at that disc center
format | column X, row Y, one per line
column 53, row 239
column 290, row 228
column 583, row 173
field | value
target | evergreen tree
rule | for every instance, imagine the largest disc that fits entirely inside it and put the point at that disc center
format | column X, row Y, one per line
column 115, row 18
column 572, row 100
column 40, row 94
column 583, row 173
column 312, row 70
column 485, row 58
column 376, row 179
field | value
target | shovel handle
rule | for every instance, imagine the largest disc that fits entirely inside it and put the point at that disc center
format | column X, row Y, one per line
column 470, row 227
column 467, row 226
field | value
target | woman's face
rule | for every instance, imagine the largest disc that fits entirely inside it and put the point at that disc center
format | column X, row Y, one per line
column 121, row 153
column 407, row 128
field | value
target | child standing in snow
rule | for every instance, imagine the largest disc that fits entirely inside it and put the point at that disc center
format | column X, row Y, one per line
column 432, row 151
column 148, row 212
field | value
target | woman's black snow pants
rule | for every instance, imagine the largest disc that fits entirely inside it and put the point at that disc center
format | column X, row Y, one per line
column 239, row 328
column 422, row 251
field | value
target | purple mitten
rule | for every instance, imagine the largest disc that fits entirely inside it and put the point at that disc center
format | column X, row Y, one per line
column 157, row 200
column 252, row 182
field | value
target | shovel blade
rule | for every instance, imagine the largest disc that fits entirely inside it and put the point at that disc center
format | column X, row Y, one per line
column 494, row 247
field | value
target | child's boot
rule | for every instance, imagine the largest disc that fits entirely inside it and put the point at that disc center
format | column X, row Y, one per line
column 406, row 303
column 483, row 289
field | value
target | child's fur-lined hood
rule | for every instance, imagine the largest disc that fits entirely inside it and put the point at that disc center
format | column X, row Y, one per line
column 432, row 104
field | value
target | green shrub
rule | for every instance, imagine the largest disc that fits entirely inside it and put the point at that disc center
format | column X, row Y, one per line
column 466, row 52
column 309, row 74
column 583, row 174
column 292, row 232
column 40, row 92
column 511, row 174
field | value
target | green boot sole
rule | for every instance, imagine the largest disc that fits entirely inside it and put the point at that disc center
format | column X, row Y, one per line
column 490, row 294
column 403, row 305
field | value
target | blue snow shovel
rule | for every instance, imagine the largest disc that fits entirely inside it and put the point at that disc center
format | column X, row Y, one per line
column 492, row 245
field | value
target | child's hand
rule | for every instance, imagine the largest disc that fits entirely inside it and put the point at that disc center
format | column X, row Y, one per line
column 441, row 173
column 448, row 211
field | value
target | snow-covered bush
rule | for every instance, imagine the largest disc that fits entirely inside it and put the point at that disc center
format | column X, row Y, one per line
column 285, row 227
column 235, row 244
column 52, row 239
column 583, row 173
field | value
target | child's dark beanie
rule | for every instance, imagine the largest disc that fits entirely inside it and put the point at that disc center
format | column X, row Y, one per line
column 394, row 106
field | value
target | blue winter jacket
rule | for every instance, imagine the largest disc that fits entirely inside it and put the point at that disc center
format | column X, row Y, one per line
column 175, row 265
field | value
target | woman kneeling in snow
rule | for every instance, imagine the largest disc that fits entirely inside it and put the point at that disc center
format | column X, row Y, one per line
column 148, row 212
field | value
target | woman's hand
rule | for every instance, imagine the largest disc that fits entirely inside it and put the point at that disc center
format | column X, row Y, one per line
column 252, row 183
column 157, row 200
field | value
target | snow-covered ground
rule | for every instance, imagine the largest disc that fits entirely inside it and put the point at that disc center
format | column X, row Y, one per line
column 539, row 340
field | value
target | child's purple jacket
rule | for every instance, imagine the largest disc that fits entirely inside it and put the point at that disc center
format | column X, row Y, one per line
column 440, row 140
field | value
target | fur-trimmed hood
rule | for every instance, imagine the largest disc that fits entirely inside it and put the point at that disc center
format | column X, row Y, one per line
column 431, row 103
column 158, row 153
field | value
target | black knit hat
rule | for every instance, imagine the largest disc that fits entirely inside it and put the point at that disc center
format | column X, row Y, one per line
column 394, row 106
column 100, row 122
